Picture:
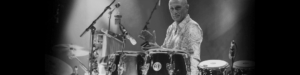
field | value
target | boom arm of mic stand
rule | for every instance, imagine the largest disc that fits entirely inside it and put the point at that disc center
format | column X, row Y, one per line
column 91, row 26
column 110, row 18
column 147, row 23
column 145, row 28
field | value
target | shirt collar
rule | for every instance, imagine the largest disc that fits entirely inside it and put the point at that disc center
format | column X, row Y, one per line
column 184, row 21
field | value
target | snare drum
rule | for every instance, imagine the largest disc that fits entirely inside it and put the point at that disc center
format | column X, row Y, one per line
column 243, row 67
column 167, row 62
column 124, row 63
column 213, row 67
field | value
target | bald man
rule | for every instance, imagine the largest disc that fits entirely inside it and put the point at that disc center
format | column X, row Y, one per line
column 183, row 34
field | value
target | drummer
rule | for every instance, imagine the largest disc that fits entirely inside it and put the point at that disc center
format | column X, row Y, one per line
column 183, row 34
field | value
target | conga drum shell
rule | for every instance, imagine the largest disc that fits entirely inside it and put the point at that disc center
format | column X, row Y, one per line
column 244, row 67
column 127, row 62
column 167, row 61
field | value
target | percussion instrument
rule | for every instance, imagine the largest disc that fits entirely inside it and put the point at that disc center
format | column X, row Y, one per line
column 213, row 67
column 243, row 67
column 72, row 50
column 125, row 63
column 166, row 62
column 56, row 66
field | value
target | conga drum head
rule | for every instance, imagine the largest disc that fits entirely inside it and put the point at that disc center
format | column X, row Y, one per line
column 128, row 52
column 212, row 64
column 243, row 64
column 163, row 49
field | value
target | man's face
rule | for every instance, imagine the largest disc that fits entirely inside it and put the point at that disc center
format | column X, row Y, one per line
column 178, row 10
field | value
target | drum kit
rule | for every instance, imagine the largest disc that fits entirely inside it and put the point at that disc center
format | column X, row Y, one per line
column 108, row 57
column 162, row 61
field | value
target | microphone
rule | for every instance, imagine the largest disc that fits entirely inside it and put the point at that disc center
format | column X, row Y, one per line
column 131, row 39
column 123, row 30
column 127, row 36
column 118, row 5
column 232, row 50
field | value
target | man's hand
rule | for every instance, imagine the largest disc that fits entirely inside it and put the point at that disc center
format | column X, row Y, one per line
column 148, row 46
column 150, row 40
column 148, row 36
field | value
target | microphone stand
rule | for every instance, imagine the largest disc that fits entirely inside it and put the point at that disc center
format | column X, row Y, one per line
column 92, row 25
column 146, row 28
column 147, row 23
column 232, row 61
column 110, row 18
column 233, row 54
column 123, row 30
column 93, row 28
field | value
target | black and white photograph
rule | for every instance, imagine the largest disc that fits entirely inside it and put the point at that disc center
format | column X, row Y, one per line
column 150, row 37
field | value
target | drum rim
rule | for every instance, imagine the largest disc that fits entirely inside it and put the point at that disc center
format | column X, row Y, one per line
column 164, row 50
column 223, row 66
column 129, row 52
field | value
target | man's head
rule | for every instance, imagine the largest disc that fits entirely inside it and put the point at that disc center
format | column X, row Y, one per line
column 178, row 9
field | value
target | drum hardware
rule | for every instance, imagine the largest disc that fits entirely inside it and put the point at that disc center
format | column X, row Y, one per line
column 188, row 64
column 93, row 28
column 146, row 65
column 122, row 65
column 92, row 59
column 111, row 66
column 171, row 66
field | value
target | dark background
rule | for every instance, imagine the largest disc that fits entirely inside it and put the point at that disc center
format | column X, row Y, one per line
column 213, row 16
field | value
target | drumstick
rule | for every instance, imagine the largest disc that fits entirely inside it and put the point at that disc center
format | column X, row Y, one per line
column 197, row 59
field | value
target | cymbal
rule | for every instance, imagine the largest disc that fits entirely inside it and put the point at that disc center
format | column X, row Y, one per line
column 56, row 66
column 79, row 52
column 73, row 50
column 68, row 46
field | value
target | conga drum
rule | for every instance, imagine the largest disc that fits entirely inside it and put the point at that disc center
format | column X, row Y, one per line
column 166, row 62
column 124, row 63
column 213, row 67
column 243, row 67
